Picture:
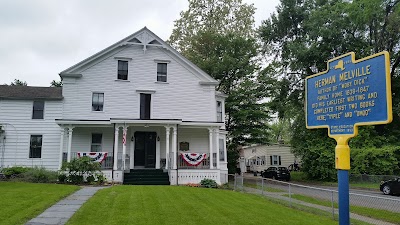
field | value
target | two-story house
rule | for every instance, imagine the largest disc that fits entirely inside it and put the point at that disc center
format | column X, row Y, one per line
column 139, row 101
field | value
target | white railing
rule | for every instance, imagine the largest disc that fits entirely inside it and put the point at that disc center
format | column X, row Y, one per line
column 205, row 164
column 195, row 176
column 106, row 164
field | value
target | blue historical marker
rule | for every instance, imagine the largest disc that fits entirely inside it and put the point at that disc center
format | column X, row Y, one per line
column 350, row 93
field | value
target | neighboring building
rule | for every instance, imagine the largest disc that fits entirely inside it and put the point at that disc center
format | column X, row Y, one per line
column 137, row 100
column 260, row 157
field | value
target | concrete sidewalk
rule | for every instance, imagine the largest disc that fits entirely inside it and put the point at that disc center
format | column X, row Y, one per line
column 60, row 213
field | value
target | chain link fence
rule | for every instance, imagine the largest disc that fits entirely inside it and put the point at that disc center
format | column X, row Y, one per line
column 366, row 205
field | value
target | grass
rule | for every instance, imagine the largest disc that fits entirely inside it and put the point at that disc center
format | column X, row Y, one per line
column 266, row 188
column 186, row 205
column 360, row 210
column 21, row 202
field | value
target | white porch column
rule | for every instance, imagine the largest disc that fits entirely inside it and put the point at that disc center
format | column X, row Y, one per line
column 174, row 146
column 61, row 147
column 70, row 129
column 210, row 132
column 217, row 146
column 124, row 131
column 116, row 134
column 132, row 155
column 158, row 157
column 225, row 151
column 167, row 130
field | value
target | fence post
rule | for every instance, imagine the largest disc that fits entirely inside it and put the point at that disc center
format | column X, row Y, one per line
column 262, row 185
column 333, row 208
column 234, row 183
column 242, row 182
column 290, row 196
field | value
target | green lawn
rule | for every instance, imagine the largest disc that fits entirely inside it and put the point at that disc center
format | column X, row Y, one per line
column 186, row 205
column 266, row 188
column 365, row 211
column 20, row 202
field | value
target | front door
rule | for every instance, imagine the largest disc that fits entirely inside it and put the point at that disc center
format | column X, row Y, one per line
column 145, row 149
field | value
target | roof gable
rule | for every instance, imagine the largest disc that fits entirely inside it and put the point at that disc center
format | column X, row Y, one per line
column 144, row 37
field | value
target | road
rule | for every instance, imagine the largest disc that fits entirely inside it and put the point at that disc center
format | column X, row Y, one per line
column 366, row 198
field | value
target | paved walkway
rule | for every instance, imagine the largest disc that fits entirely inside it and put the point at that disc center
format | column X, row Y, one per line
column 60, row 213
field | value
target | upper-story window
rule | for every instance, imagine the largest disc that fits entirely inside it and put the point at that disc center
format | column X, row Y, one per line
column 38, row 110
column 97, row 101
column 219, row 111
column 162, row 72
column 122, row 70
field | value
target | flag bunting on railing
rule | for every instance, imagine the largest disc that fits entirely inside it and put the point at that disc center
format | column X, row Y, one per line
column 95, row 156
column 193, row 159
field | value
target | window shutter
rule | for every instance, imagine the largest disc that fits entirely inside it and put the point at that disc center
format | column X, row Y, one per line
column 270, row 158
column 280, row 163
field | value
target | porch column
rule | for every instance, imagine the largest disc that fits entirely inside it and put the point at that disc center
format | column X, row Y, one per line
column 124, row 130
column 174, row 146
column 167, row 130
column 116, row 134
column 70, row 129
column 61, row 147
column 225, row 151
column 217, row 146
column 132, row 155
column 210, row 145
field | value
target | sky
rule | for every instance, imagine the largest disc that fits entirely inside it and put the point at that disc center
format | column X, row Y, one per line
column 41, row 38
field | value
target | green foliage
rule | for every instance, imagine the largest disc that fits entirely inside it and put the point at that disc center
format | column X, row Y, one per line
column 39, row 175
column 55, row 83
column 79, row 168
column 14, row 171
column 208, row 183
column 18, row 82
column 372, row 160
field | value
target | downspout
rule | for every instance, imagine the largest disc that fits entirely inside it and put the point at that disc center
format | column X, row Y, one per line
column 177, row 155
column 112, row 168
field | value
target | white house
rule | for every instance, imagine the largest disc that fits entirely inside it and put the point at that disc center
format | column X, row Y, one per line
column 260, row 157
column 139, row 100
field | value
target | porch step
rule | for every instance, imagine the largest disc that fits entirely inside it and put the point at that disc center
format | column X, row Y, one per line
column 146, row 177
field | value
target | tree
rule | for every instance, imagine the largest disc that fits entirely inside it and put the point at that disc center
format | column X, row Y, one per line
column 217, row 35
column 55, row 83
column 18, row 82
column 302, row 35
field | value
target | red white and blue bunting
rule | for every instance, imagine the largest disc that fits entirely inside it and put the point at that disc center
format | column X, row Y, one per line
column 193, row 159
column 95, row 156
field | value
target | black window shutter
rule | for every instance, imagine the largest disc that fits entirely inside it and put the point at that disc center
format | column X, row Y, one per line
column 270, row 159
column 280, row 163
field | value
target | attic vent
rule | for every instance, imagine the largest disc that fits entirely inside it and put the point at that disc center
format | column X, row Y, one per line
column 134, row 40
column 154, row 42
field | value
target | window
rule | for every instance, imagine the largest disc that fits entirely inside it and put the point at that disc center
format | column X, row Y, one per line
column 275, row 160
column 96, row 143
column 97, row 101
column 219, row 111
column 35, row 150
column 221, row 150
column 145, row 100
column 38, row 110
column 162, row 72
column 122, row 70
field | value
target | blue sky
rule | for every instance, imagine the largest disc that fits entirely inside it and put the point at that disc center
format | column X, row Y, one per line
column 41, row 38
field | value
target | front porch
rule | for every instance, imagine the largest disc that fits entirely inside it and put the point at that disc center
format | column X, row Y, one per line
column 144, row 145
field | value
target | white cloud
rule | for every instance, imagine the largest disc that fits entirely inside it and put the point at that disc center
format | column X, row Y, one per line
column 43, row 37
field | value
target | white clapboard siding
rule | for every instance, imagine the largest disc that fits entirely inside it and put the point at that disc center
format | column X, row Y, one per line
column 180, row 98
column 15, row 116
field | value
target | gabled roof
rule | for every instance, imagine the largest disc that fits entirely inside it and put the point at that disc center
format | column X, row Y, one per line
column 144, row 37
column 29, row 92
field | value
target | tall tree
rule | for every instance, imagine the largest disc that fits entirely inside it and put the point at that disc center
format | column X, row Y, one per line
column 302, row 35
column 218, row 36
column 18, row 82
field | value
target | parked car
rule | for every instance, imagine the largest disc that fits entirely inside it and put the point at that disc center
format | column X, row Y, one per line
column 390, row 187
column 275, row 172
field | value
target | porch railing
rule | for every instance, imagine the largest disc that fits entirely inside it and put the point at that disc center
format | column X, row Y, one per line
column 107, row 164
column 205, row 164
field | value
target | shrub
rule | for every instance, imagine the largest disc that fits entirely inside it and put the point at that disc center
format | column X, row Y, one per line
column 208, row 183
column 14, row 171
column 100, row 178
column 62, row 177
column 39, row 175
column 82, row 167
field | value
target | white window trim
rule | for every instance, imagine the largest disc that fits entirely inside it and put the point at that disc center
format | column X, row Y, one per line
column 123, row 58
column 91, row 141
column 104, row 100
column 29, row 148
column 162, row 61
